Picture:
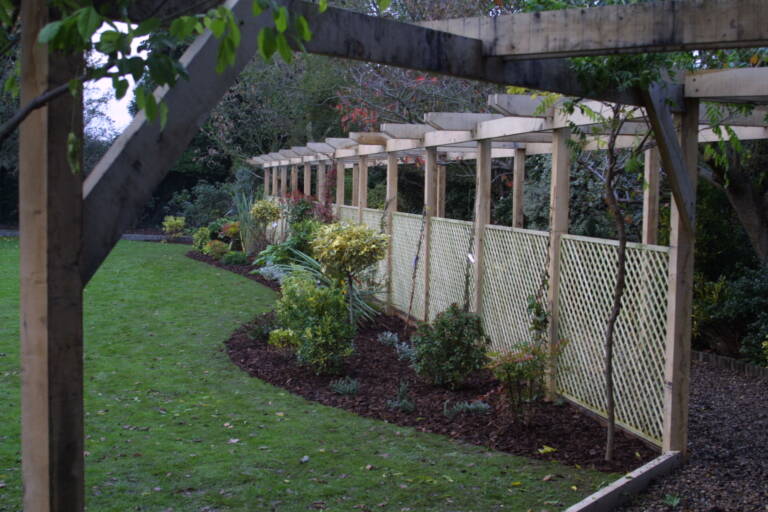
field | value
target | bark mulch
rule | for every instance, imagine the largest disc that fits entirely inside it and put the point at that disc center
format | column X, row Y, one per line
column 727, row 468
column 576, row 438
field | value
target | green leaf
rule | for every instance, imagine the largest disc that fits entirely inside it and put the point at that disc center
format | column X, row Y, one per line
column 384, row 4
column 234, row 33
column 323, row 6
column 267, row 44
column 151, row 25
column 135, row 66
column 88, row 21
column 304, row 30
column 283, row 48
column 183, row 27
column 74, row 153
column 163, row 115
column 49, row 32
column 281, row 19
column 141, row 98
column 120, row 85
column 217, row 26
column 256, row 8
column 150, row 107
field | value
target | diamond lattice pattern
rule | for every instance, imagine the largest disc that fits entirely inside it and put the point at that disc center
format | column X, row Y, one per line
column 449, row 245
column 587, row 279
column 406, row 232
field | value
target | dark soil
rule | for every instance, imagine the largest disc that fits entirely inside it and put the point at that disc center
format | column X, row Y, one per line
column 577, row 438
column 727, row 469
column 243, row 270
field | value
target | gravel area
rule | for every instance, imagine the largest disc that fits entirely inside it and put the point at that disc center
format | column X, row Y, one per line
column 727, row 470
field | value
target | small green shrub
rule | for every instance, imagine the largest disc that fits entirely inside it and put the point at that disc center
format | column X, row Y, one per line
column 388, row 338
column 402, row 401
column 284, row 339
column 201, row 237
column 318, row 315
column 265, row 212
column 298, row 209
column 173, row 227
column 235, row 258
column 345, row 250
column 262, row 326
column 450, row 348
column 215, row 227
column 405, row 351
column 521, row 373
column 344, row 386
column 216, row 249
column 473, row 407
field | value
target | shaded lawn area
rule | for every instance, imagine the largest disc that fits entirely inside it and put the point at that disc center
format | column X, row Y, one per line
column 172, row 424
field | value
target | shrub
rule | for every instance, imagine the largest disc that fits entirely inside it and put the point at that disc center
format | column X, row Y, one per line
column 402, row 401
column 265, row 212
column 202, row 203
column 388, row 338
column 262, row 326
column 284, row 339
column 474, row 407
column 521, row 373
column 235, row 258
column 405, row 351
column 215, row 249
column 173, row 226
column 215, row 227
column 345, row 386
column 201, row 237
column 298, row 209
column 317, row 315
column 450, row 348
column 345, row 250
column 273, row 273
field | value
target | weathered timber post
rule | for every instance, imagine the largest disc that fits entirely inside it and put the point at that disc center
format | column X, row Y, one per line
column 482, row 219
column 340, row 185
column 275, row 177
column 355, row 184
column 267, row 179
column 650, row 233
column 680, row 298
column 294, row 179
column 362, row 187
column 284, row 181
column 50, row 215
column 390, row 203
column 518, row 189
column 307, row 179
column 430, row 204
column 559, row 196
column 322, row 193
column 441, row 177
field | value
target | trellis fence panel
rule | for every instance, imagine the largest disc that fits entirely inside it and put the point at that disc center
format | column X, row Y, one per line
column 450, row 245
column 515, row 261
column 588, row 276
column 407, row 237
column 348, row 214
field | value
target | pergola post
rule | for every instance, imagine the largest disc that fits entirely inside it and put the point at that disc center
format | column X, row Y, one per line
column 275, row 176
column 651, row 197
column 355, row 185
column 390, row 204
column 482, row 218
column 518, row 189
column 51, row 221
column 267, row 182
column 340, row 185
column 284, row 181
column 559, row 201
column 680, row 298
column 294, row 179
column 441, row 177
column 322, row 193
column 430, row 204
column 307, row 180
column 362, row 187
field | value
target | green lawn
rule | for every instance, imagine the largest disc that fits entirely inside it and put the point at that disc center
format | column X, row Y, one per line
column 172, row 425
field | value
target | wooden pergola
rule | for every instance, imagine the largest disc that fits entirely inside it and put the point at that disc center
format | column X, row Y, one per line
column 69, row 225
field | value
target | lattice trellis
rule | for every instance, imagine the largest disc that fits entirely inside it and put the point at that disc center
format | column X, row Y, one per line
column 348, row 214
column 449, row 246
column 514, row 261
column 587, row 279
column 406, row 229
column 374, row 219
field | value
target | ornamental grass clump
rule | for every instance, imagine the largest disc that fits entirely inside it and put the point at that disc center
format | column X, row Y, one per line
column 449, row 349
column 345, row 251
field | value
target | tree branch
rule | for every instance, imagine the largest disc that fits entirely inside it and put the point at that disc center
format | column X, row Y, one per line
column 10, row 126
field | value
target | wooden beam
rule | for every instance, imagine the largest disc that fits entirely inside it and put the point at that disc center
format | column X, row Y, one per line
column 275, row 176
column 457, row 121
column 440, row 198
column 284, row 181
column 294, row 179
column 660, row 116
column 340, row 185
column 405, row 131
column 362, row 187
column 267, row 182
column 677, row 366
column 51, row 303
column 650, row 227
column 482, row 219
column 518, row 189
column 355, row 185
column 559, row 201
column 671, row 25
column 430, row 207
column 390, row 205
column 307, row 180
column 518, row 105
column 322, row 192
column 732, row 85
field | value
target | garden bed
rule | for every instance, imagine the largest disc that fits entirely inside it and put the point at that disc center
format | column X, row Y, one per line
column 575, row 438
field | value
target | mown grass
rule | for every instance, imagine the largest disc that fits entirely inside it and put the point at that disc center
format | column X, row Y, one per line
column 172, row 425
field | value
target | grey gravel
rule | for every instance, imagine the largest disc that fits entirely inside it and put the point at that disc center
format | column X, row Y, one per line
column 727, row 469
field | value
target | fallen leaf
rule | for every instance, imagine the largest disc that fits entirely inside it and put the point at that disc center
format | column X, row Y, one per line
column 546, row 449
column 233, row 441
